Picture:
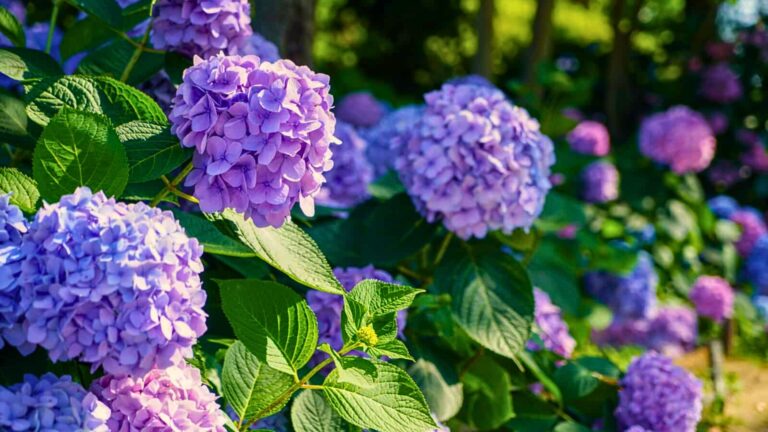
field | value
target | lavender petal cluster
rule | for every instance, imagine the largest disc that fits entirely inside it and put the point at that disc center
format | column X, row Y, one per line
column 389, row 135
column 551, row 327
column 591, row 138
column 13, row 226
column 164, row 399
column 201, row 27
column 680, row 138
column 260, row 46
column 346, row 185
column 328, row 307
column 713, row 297
column 719, row 83
column 754, row 269
column 600, row 182
column 672, row 331
column 752, row 228
column 476, row 162
column 50, row 403
column 657, row 395
column 261, row 132
column 360, row 109
column 630, row 296
column 471, row 79
column 111, row 284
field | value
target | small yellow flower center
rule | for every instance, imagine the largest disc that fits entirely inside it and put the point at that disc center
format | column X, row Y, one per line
column 367, row 335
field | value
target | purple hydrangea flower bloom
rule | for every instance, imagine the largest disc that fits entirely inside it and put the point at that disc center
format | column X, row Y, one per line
column 723, row 206
column 680, row 138
column 261, row 133
column 629, row 296
column 718, row 121
column 724, row 173
column 672, row 331
column 623, row 331
column 163, row 399
column 659, row 396
column 600, row 182
column 202, row 27
column 360, row 109
column 388, row 136
column 111, row 284
column 755, row 267
column 755, row 157
column 476, row 162
column 637, row 429
column 719, row 83
column 347, row 183
column 590, row 137
column 752, row 228
column 551, row 327
column 472, row 79
column 713, row 297
column 259, row 46
column 50, row 403
column 13, row 226
column 328, row 307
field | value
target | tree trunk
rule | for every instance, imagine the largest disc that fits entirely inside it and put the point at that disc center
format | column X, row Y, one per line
column 701, row 15
column 541, row 44
column 483, row 62
column 288, row 23
column 619, row 94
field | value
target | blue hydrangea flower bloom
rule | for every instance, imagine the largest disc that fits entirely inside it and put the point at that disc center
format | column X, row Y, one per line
column 659, row 396
column 388, row 136
column 476, row 162
column 111, row 284
column 754, row 269
column 346, row 184
column 13, row 226
column 723, row 206
column 50, row 403
column 629, row 296
column 361, row 110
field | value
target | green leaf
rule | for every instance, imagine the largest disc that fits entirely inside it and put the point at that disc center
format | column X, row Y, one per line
column 394, row 349
column 440, row 384
column 14, row 122
column 288, row 249
column 106, row 10
column 102, row 95
column 250, row 386
column 112, row 59
column 578, row 379
column 487, row 398
column 310, row 412
column 571, row 427
column 79, row 149
column 492, row 297
column 393, row 403
column 560, row 211
column 213, row 241
column 152, row 150
column 531, row 413
column 386, row 186
column 12, row 28
column 352, row 370
column 23, row 189
column 175, row 65
column 380, row 298
column 22, row 64
column 279, row 328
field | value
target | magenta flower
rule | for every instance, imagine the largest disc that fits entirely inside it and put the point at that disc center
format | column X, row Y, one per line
column 590, row 137
column 680, row 138
column 551, row 327
column 720, row 84
column 752, row 228
column 713, row 297
column 600, row 182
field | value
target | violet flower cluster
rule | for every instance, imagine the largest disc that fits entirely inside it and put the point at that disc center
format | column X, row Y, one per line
column 346, row 185
column 389, row 135
column 591, row 138
column 328, row 307
column 680, row 138
column 202, row 28
column 723, row 206
column 659, row 396
column 754, row 269
column 719, row 83
column 471, row 79
column 600, row 182
column 476, row 162
column 111, row 284
column 670, row 330
column 713, row 297
column 752, row 228
column 172, row 399
column 550, row 327
column 13, row 226
column 261, row 132
column 260, row 46
column 361, row 110
column 630, row 296
column 50, row 403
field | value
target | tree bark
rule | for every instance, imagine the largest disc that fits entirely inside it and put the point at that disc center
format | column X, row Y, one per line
column 483, row 62
column 541, row 45
column 288, row 23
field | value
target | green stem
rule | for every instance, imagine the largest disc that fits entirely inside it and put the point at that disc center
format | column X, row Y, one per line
column 136, row 55
column 171, row 187
column 443, row 248
column 301, row 384
column 52, row 28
